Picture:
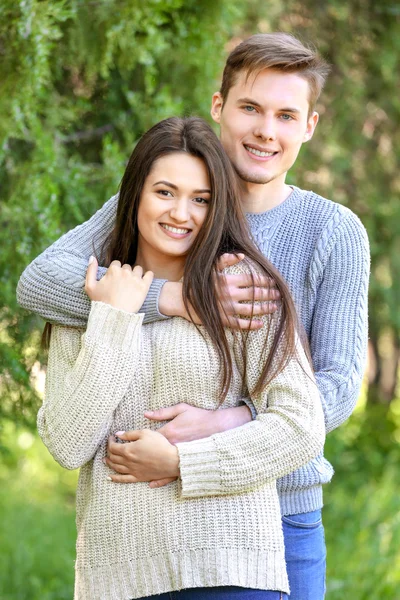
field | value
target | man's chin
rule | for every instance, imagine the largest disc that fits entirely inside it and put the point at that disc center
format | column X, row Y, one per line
column 258, row 178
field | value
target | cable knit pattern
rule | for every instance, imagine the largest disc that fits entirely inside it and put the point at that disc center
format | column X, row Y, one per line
column 59, row 273
column 219, row 524
column 322, row 250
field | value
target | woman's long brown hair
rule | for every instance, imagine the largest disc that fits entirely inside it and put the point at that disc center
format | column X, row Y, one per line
column 224, row 230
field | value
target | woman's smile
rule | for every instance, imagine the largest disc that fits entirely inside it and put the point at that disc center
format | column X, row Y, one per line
column 175, row 232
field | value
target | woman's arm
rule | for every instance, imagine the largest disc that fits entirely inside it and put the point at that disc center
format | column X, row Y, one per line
column 287, row 433
column 87, row 377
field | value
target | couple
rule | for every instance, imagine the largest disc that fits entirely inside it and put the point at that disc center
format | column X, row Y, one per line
column 238, row 407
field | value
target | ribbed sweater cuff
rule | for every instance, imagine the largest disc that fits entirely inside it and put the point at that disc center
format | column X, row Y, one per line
column 199, row 467
column 150, row 305
column 111, row 327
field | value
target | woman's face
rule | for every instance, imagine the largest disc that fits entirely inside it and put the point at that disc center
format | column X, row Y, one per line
column 173, row 206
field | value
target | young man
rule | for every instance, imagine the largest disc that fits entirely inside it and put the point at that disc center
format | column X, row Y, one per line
column 265, row 110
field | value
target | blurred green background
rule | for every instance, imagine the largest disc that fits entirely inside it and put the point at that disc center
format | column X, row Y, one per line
column 79, row 82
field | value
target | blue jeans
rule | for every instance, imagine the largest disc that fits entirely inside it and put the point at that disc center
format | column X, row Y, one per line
column 220, row 593
column 305, row 554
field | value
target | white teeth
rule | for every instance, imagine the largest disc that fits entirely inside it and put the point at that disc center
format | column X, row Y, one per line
column 174, row 229
column 258, row 152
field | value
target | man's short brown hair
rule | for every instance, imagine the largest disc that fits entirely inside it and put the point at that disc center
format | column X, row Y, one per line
column 278, row 51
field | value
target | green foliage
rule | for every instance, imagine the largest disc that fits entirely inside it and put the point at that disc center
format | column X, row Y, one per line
column 80, row 82
column 362, row 507
column 37, row 529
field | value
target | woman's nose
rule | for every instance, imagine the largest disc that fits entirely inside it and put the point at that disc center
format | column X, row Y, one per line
column 180, row 211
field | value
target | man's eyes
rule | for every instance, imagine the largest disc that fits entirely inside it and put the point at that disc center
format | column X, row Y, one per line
column 249, row 108
column 286, row 117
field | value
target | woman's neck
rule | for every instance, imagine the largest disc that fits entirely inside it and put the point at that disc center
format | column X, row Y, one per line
column 163, row 266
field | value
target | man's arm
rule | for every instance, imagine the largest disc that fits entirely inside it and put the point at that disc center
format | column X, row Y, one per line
column 53, row 284
column 339, row 333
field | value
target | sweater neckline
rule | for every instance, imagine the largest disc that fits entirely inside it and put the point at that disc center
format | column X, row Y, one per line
column 278, row 211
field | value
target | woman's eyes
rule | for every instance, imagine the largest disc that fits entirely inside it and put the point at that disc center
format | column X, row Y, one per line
column 197, row 200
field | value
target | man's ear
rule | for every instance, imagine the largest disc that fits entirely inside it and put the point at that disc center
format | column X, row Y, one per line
column 216, row 107
column 311, row 125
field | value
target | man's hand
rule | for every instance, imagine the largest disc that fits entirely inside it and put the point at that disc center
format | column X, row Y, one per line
column 238, row 301
column 148, row 456
column 188, row 423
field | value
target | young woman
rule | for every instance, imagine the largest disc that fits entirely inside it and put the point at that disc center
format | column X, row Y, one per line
column 216, row 531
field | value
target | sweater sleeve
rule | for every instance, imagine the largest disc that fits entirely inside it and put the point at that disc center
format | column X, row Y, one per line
column 88, row 374
column 53, row 284
column 339, row 333
column 287, row 433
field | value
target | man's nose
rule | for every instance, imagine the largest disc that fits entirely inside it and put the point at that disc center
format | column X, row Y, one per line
column 266, row 128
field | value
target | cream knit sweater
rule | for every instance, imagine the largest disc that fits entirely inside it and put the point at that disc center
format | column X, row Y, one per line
column 220, row 523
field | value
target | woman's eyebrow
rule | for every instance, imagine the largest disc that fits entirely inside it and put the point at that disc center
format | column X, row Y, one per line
column 171, row 185
column 175, row 187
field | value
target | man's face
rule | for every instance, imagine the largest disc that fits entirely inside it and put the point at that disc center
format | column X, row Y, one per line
column 264, row 121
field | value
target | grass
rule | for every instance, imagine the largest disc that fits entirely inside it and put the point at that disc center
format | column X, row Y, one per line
column 361, row 516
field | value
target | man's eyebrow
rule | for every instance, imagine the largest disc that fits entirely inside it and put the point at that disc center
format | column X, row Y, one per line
column 248, row 101
column 175, row 187
column 291, row 110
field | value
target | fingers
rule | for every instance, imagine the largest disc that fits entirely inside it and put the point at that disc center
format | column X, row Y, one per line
column 245, row 280
column 91, row 275
column 161, row 482
column 116, row 466
column 229, row 260
column 244, row 324
column 128, row 436
column 122, row 479
column 115, row 263
column 166, row 414
column 249, row 309
column 138, row 271
column 257, row 294
column 148, row 277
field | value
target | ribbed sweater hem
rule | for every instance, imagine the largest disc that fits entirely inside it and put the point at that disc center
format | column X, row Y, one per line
column 174, row 571
column 301, row 501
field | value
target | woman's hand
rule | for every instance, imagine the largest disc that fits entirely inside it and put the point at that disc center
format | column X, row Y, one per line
column 121, row 287
column 148, row 456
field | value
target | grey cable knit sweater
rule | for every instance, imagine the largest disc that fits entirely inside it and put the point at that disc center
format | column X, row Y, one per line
column 322, row 250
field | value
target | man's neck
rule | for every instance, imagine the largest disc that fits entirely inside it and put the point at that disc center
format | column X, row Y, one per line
column 260, row 197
